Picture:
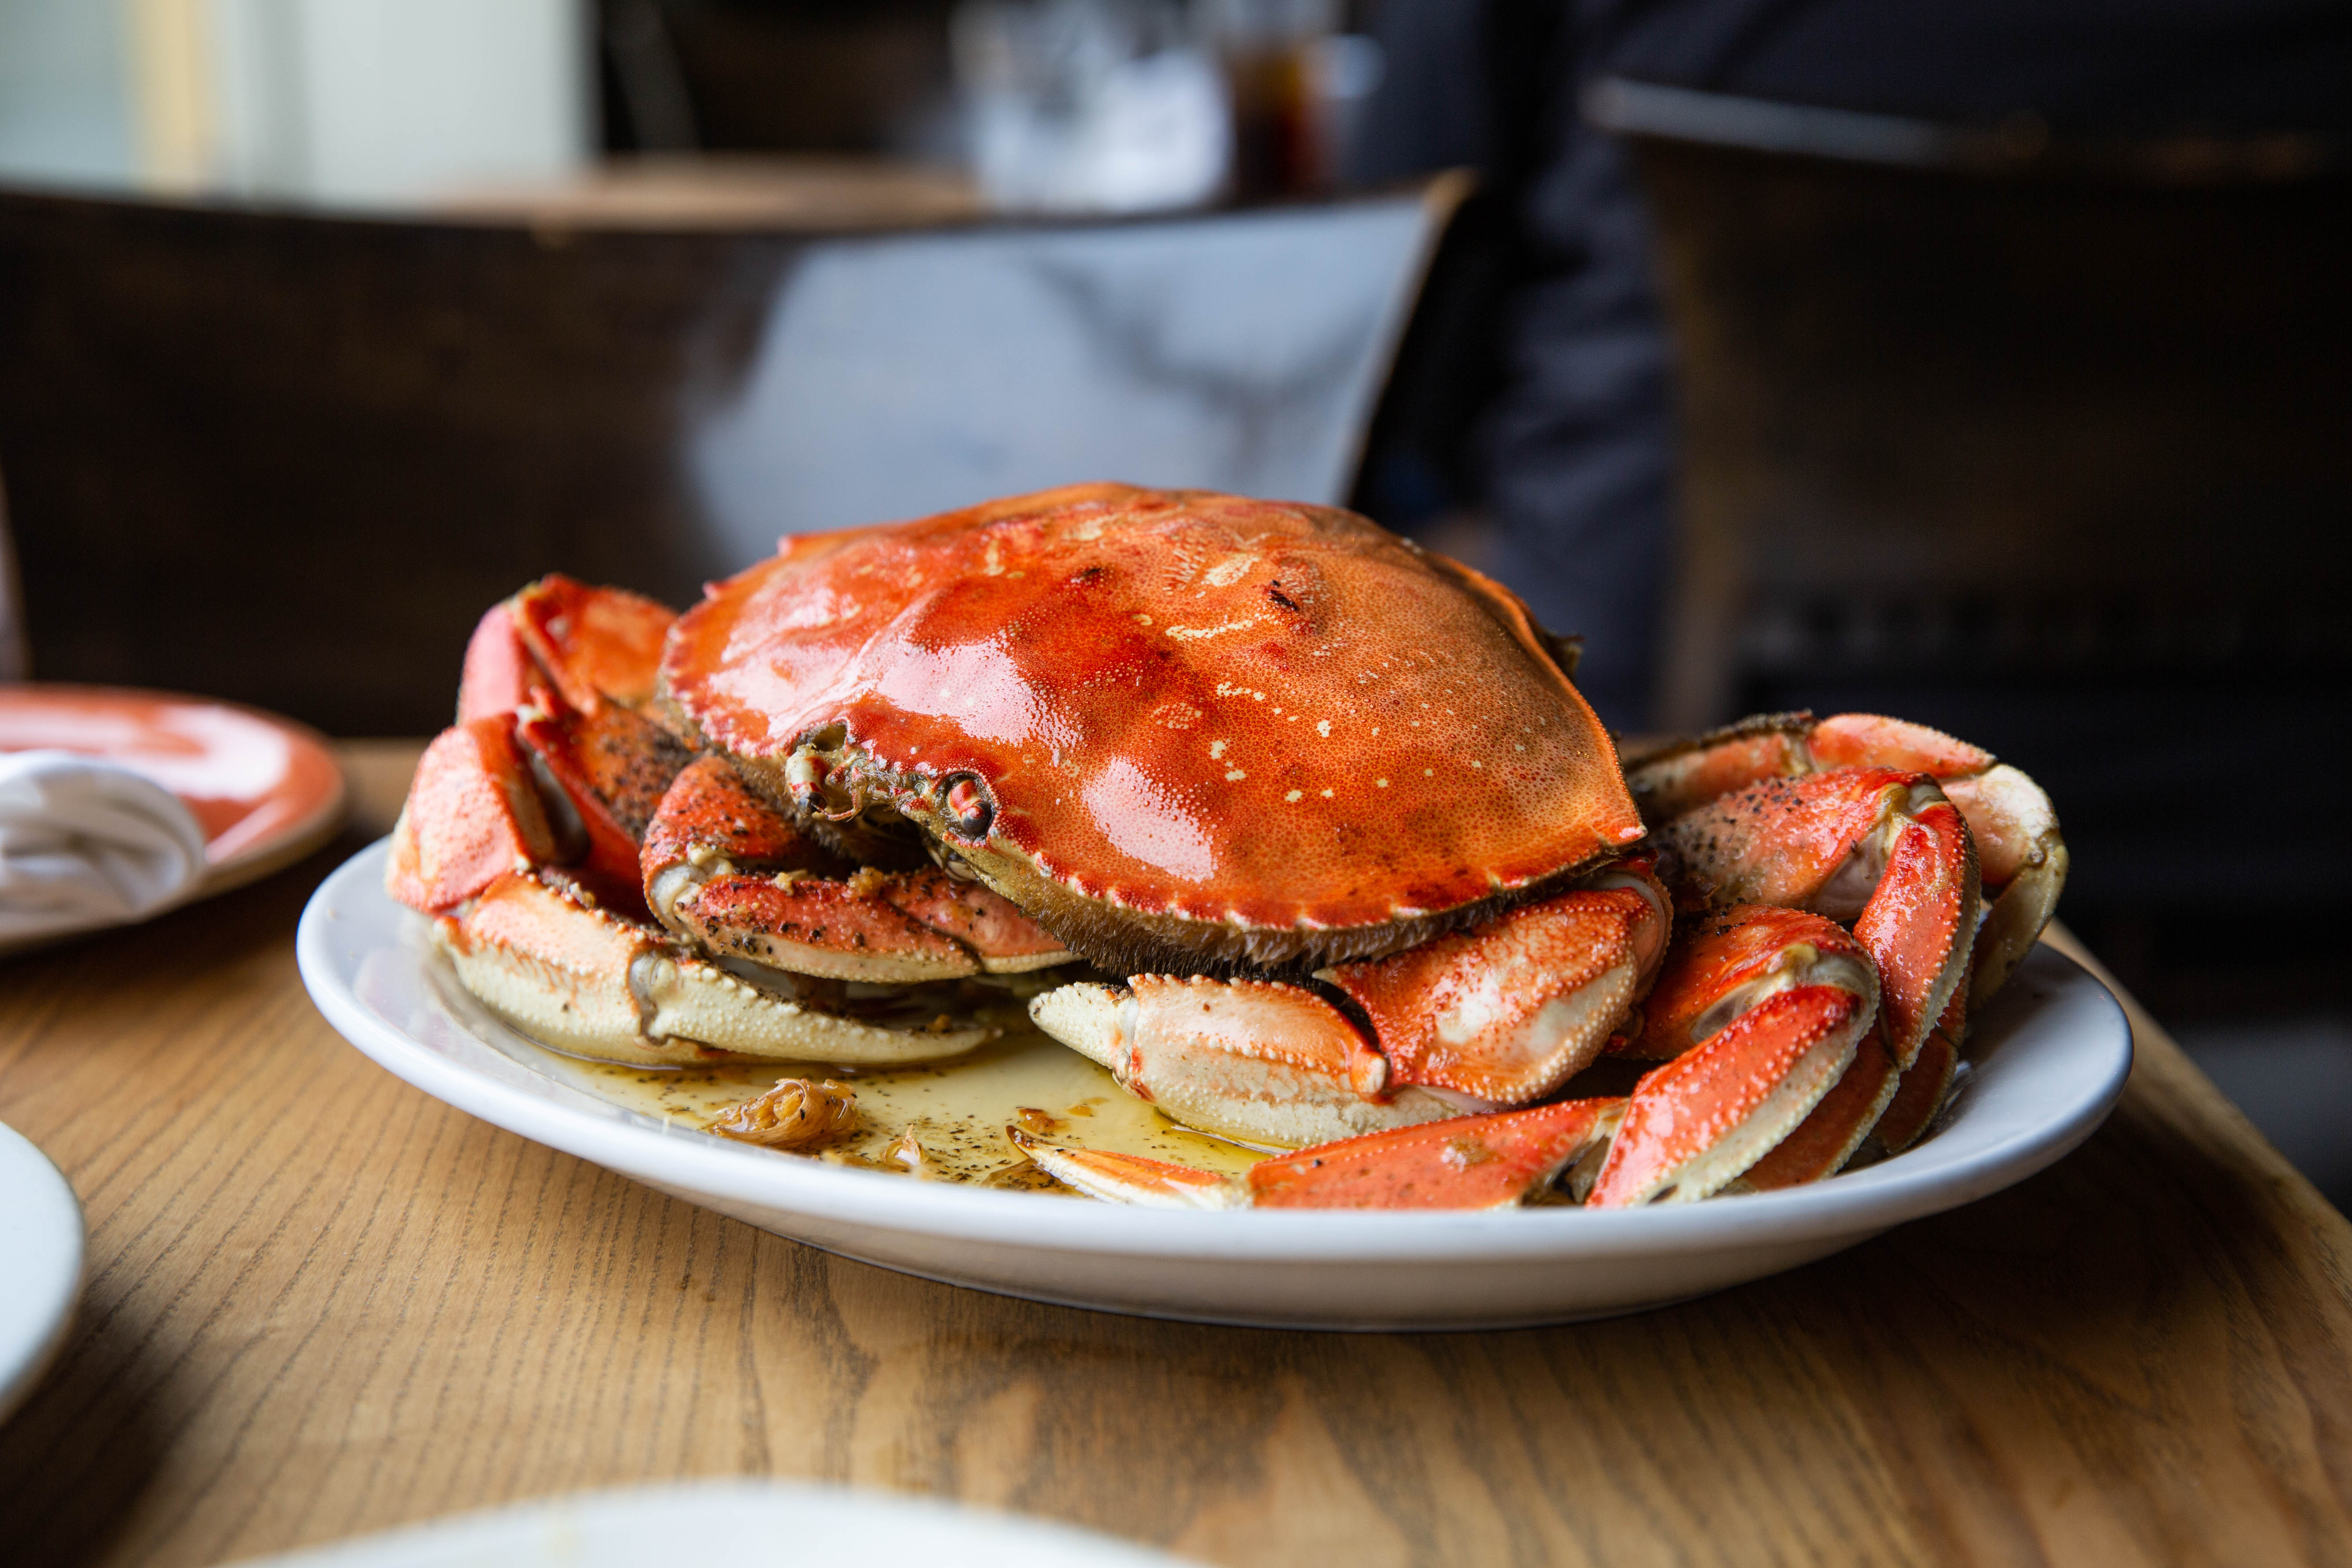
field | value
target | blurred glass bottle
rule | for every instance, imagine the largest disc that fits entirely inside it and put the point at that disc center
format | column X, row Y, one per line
column 1090, row 105
column 1298, row 84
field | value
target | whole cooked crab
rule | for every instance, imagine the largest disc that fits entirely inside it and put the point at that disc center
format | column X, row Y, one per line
column 1360, row 866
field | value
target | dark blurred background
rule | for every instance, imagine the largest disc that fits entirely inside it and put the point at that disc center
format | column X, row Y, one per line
column 1985, row 362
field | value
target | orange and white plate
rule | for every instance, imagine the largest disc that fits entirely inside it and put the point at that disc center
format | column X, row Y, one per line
column 265, row 790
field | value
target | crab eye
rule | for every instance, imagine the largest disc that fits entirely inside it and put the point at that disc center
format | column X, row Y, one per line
column 964, row 801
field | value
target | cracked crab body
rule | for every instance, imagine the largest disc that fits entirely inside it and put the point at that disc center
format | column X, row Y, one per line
column 1181, row 731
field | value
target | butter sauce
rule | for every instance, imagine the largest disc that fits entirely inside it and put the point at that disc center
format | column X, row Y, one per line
column 957, row 1110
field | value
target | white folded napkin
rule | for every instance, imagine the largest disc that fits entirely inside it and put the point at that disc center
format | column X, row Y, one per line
column 86, row 844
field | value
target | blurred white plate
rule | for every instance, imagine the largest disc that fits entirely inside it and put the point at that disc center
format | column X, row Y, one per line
column 40, row 1265
column 744, row 1524
column 2048, row 1061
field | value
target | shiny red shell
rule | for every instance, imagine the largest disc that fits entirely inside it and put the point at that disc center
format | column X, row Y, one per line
column 1185, row 704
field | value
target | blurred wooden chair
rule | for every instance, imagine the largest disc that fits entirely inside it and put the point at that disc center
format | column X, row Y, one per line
column 289, row 458
column 2047, row 442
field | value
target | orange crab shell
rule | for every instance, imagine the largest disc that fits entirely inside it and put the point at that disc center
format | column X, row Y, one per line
column 1199, row 709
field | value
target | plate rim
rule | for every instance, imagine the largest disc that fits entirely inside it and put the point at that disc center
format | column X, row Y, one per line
column 712, row 1169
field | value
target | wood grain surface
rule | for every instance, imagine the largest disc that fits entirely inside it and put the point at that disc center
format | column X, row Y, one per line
column 321, row 1303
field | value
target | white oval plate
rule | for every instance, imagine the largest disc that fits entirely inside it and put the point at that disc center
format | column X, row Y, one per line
column 742, row 1523
column 2048, row 1063
column 40, row 1265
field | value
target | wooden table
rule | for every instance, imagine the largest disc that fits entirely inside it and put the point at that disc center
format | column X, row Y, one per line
column 321, row 1303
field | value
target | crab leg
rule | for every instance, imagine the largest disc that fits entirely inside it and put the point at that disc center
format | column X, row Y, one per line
column 1766, row 1013
column 2022, row 859
column 1729, row 964
column 1927, row 1082
column 1132, row 1179
column 1467, row 1163
column 1827, row 1138
column 472, row 815
column 590, row 645
column 585, row 980
column 2020, row 855
column 1511, row 1009
column 1255, row 1060
column 1879, row 847
column 1501, row 1014
column 1726, row 961
column 2016, row 831
column 1684, row 776
column 1475, row 1162
column 1698, row 1122
column 727, row 869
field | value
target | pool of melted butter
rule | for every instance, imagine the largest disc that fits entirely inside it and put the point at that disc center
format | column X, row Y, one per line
column 956, row 1111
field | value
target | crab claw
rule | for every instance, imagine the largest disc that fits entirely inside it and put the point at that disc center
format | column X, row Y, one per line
column 1700, row 1120
column 1504, row 1012
column 1511, row 1009
column 590, row 643
column 499, row 670
column 1256, row 1060
column 473, row 814
column 531, row 787
column 548, row 763
column 1465, row 1162
column 1917, row 924
column 1881, row 847
column 727, row 869
column 2022, row 859
column 584, row 980
column 1002, row 938
column 600, row 773
column 1726, row 961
